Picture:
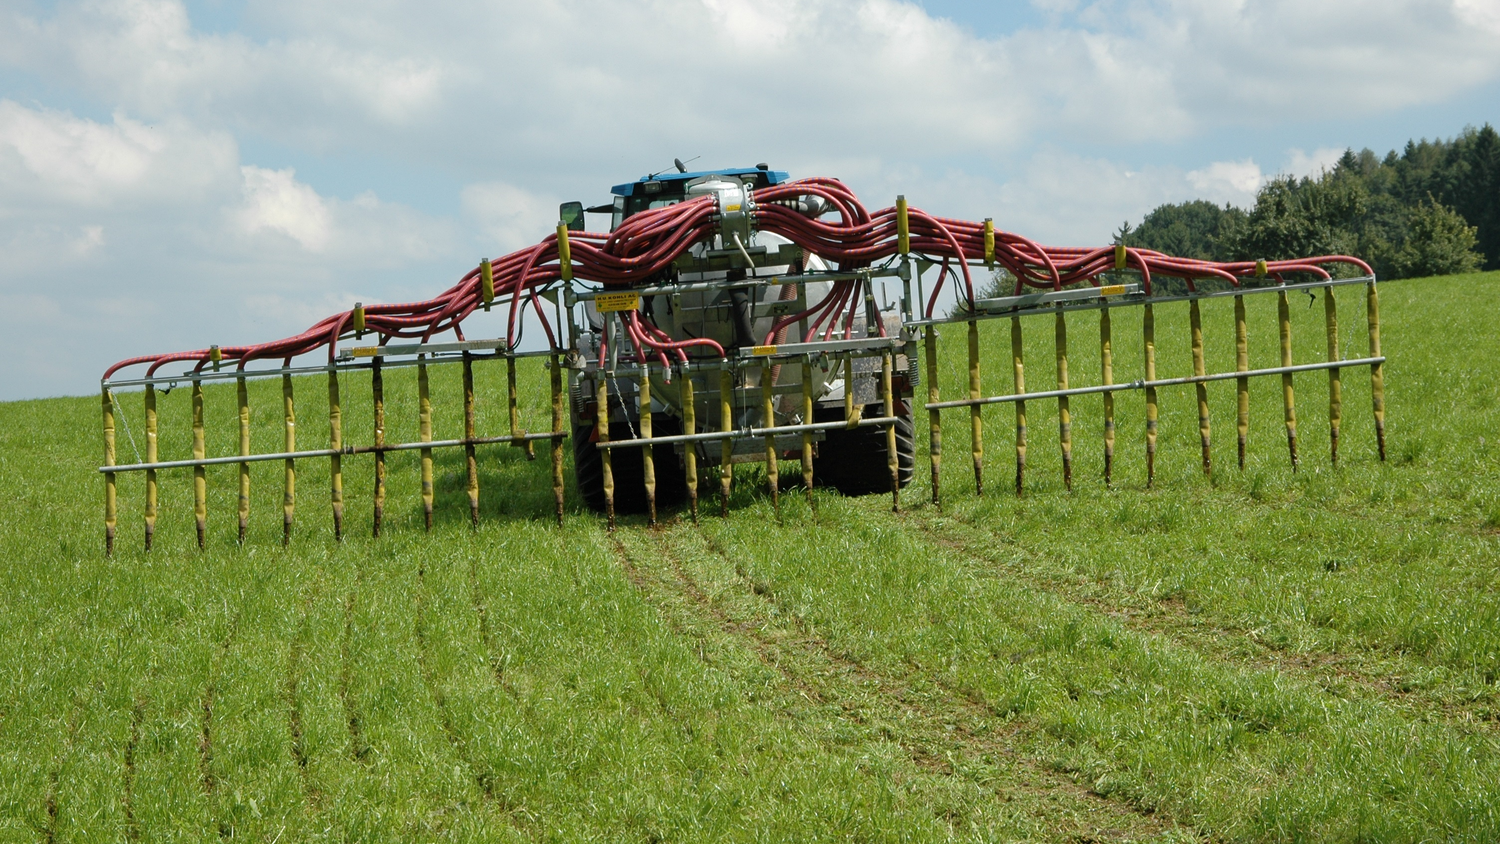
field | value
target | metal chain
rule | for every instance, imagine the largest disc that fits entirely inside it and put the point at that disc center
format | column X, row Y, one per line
column 616, row 386
column 126, row 424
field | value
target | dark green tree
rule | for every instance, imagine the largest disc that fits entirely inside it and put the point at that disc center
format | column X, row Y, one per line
column 1296, row 218
column 1476, row 191
column 1463, row 173
column 1438, row 242
column 1197, row 229
column 1434, row 207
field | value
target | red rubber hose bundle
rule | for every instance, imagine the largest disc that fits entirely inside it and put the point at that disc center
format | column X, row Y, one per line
column 644, row 247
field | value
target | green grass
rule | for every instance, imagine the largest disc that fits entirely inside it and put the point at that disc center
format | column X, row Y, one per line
column 1260, row 655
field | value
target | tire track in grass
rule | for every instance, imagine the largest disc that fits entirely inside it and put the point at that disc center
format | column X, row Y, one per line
column 1336, row 674
column 765, row 651
column 935, row 732
column 54, row 777
column 206, row 775
column 127, row 799
column 483, row 777
column 962, row 709
column 359, row 749
column 295, row 668
column 486, row 635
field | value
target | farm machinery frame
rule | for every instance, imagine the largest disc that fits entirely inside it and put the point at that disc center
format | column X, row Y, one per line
column 737, row 316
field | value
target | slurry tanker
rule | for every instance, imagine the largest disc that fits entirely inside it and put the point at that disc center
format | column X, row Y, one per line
column 730, row 317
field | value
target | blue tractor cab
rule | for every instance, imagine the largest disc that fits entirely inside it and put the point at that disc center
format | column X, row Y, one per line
column 659, row 190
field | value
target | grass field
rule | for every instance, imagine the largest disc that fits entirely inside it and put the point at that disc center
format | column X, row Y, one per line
column 1255, row 655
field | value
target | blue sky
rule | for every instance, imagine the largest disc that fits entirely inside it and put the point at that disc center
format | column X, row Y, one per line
column 175, row 174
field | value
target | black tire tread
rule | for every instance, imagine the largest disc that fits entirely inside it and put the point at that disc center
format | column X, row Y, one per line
column 853, row 461
column 629, row 470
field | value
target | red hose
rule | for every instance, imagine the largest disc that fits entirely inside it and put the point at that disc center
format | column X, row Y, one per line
column 647, row 243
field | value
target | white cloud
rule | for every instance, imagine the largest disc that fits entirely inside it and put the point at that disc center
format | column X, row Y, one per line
column 1066, row 199
column 53, row 158
column 468, row 81
column 528, row 103
column 90, row 239
column 269, row 309
column 277, row 217
column 756, row 25
column 509, row 217
column 1238, row 182
column 1484, row 14
column 1301, row 164
column 130, row 237
column 1057, row 197
column 146, row 56
column 384, row 234
column 1235, row 63
column 276, row 201
column 1233, row 182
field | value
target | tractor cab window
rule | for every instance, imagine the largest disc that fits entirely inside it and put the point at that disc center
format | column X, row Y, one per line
column 636, row 204
column 654, row 193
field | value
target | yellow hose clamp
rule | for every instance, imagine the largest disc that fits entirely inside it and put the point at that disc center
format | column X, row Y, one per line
column 486, row 283
column 989, row 241
column 564, row 252
column 1260, row 268
column 215, row 356
column 359, row 319
column 903, row 230
column 1119, row 256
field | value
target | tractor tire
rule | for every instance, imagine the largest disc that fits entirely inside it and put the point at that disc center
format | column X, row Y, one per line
column 853, row 460
column 628, row 468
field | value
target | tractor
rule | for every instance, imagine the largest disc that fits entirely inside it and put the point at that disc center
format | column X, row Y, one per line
column 733, row 287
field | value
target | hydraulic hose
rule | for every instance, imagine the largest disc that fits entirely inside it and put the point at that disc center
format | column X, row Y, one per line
column 649, row 242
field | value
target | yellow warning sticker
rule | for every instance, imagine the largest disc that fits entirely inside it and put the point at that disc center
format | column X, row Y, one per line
column 364, row 351
column 607, row 302
column 730, row 209
column 762, row 351
column 1112, row 290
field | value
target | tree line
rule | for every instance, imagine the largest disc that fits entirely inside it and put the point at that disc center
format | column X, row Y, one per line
column 1434, row 209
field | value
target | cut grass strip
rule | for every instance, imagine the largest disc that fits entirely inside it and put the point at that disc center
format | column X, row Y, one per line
column 615, row 709
column 411, row 770
column 954, row 742
column 431, row 658
column 49, row 802
column 1236, row 752
column 175, row 623
column 620, row 718
column 1400, row 680
column 127, row 798
column 296, row 670
column 359, row 749
column 1303, row 577
column 258, row 792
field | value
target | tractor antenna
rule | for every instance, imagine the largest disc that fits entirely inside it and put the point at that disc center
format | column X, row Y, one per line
column 679, row 164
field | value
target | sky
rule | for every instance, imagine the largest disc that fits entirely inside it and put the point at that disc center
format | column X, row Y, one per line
column 180, row 173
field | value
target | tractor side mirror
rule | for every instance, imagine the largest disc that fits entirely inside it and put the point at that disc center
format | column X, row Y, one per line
column 571, row 215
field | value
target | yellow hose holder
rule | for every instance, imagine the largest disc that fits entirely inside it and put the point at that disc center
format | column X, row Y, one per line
column 903, row 229
column 1260, row 268
column 359, row 318
column 989, row 241
column 215, row 356
column 486, row 283
column 1119, row 256
column 564, row 252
